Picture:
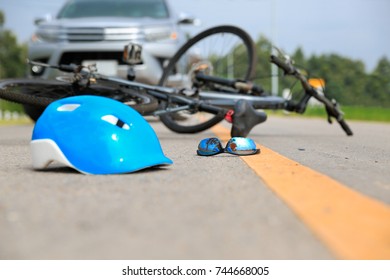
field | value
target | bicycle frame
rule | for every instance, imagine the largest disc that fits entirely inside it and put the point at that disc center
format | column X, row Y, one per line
column 225, row 100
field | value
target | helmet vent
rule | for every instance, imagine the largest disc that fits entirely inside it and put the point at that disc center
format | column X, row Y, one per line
column 115, row 121
column 68, row 107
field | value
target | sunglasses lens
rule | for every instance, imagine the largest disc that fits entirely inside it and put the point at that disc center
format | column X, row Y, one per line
column 209, row 147
column 241, row 146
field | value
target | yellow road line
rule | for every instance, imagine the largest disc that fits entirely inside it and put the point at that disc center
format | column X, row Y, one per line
column 352, row 225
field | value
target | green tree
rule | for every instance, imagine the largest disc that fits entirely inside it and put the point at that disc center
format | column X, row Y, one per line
column 12, row 60
column 299, row 56
column 263, row 66
column 344, row 78
column 2, row 19
column 378, row 83
column 12, row 55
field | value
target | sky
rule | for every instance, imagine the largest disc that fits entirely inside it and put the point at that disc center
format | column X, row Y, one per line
column 358, row 29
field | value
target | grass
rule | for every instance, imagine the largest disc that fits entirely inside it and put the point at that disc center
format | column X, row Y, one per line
column 374, row 114
column 21, row 121
column 351, row 113
column 355, row 113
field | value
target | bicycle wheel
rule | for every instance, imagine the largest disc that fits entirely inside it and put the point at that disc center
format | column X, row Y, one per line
column 222, row 51
column 40, row 93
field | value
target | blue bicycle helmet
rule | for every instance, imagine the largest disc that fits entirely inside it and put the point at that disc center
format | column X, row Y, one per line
column 95, row 135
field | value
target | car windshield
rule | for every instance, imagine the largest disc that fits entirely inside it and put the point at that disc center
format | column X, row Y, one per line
column 114, row 8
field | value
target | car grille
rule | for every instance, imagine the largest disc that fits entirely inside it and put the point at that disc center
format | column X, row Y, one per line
column 79, row 57
column 103, row 34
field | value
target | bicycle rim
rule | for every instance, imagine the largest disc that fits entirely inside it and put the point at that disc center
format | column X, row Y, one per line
column 224, row 51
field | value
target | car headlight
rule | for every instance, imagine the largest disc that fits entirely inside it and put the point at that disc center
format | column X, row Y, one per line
column 49, row 34
column 160, row 34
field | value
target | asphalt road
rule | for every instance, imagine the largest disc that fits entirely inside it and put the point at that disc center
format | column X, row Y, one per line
column 198, row 208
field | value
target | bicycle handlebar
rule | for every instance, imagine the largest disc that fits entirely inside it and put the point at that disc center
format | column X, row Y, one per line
column 331, row 106
column 288, row 68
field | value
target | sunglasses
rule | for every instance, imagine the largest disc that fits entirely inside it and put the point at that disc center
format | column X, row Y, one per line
column 239, row 146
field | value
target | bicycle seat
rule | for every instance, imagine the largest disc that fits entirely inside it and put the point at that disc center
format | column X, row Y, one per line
column 245, row 117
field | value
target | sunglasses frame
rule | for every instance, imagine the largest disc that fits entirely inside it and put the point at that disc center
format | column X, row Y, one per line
column 231, row 147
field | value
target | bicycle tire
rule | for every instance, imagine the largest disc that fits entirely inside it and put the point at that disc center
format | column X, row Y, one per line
column 172, row 121
column 40, row 93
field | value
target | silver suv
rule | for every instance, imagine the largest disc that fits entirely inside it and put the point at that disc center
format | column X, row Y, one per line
column 96, row 31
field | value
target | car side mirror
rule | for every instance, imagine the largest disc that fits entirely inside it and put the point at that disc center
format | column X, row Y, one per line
column 38, row 21
column 132, row 54
column 46, row 18
column 187, row 19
